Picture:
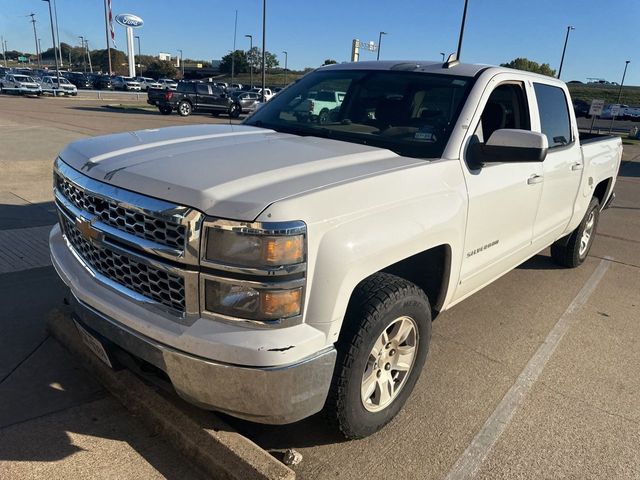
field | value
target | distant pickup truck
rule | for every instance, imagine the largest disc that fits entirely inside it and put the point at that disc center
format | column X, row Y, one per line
column 192, row 97
column 281, row 267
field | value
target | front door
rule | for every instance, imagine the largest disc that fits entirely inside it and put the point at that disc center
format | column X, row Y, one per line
column 503, row 197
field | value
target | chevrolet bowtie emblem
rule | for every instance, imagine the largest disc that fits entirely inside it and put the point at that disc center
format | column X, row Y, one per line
column 86, row 229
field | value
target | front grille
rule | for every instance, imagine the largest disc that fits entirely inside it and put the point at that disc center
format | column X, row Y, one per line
column 162, row 231
column 159, row 285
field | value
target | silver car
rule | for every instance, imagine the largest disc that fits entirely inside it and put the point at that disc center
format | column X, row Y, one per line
column 19, row 84
column 147, row 83
column 168, row 83
column 126, row 83
column 50, row 85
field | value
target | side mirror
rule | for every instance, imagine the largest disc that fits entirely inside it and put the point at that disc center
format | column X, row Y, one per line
column 511, row 145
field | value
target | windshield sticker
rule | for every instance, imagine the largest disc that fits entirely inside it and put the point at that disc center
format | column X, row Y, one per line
column 425, row 134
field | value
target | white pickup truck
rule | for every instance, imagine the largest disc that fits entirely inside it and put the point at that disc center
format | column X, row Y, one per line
column 281, row 267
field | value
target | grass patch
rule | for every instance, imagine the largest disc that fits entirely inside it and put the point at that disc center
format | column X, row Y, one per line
column 608, row 93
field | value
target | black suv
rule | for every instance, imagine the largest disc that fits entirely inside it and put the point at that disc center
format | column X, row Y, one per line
column 79, row 79
column 194, row 97
column 101, row 82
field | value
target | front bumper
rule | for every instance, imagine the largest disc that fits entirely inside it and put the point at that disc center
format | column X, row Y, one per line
column 269, row 394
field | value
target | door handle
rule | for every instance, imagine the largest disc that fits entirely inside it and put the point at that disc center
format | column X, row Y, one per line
column 577, row 166
column 533, row 179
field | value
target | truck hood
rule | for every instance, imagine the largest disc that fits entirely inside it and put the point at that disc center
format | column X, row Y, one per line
column 228, row 171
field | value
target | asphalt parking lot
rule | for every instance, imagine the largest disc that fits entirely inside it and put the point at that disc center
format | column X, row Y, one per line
column 575, row 416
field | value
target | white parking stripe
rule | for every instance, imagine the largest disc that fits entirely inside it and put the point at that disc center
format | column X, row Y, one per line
column 471, row 460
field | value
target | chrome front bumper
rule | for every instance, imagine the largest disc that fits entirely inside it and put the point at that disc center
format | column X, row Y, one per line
column 273, row 395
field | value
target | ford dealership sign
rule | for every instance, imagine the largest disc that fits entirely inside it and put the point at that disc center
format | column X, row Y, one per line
column 129, row 20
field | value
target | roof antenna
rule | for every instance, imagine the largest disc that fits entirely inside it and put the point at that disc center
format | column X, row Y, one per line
column 452, row 61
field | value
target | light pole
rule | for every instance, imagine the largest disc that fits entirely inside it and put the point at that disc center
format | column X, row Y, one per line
column 286, row 58
column 233, row 55
column 107, row 18
column 139, row 53
column 250, row 59
column 380, row 43
column 35, row 37
column 40, row 48
column 4, row 50
column 264, row 51
column 564, row 49
column 86, row 42
column 624, row 74
column 84, row 54
column 55, row 15
column 53, row 39
column 181, row 64
column 443, row 54
column 464, row 20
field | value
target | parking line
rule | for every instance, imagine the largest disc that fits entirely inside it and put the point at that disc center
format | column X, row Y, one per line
column 468, row 464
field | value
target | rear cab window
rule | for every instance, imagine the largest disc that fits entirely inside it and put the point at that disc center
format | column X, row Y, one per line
column 553, row 108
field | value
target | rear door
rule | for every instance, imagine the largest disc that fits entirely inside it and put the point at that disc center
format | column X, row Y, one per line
column 503, row 197
column 563, row 166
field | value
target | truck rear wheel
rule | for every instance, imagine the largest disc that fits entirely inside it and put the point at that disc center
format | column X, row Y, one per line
column 572, row 250
column 381, row 352
column 184, row 108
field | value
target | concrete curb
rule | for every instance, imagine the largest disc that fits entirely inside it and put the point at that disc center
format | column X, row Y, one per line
column 218, row 450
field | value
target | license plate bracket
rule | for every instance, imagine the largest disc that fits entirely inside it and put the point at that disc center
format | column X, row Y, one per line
column 93, row 344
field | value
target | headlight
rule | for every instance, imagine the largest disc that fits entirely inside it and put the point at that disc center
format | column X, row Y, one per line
column 265, row 248
column 251, row 301
column 265, row 264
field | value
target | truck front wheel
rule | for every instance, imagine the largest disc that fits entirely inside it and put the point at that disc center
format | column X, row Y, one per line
column 572, row 250
column 381, row 351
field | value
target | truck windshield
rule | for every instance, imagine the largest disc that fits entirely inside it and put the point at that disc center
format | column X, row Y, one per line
column 409, row 113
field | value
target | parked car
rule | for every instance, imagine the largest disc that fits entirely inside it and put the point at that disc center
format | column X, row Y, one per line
column 268, row 94
column 102, row 82
column 278, row 268
column 65, row 87
column 246, row 100
column 167, row 83
column 608, row 109
column 147, row 82
column 319, row 108
column 79, row 79
column 192, row 97
column 19, row 84
column 632, row 113
column 126, row 84
column 234, row 87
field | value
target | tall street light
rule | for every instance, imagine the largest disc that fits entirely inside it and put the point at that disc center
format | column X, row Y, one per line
column 264, row 50
column 286, row 58
column 139, row 53
column 4, row 50
column 53, row 39
column 233, row 57
column 84, row 55
column 380, row 43
column 443, row 54
column 250, row 59
column 88, row 50
column 624, row 74
column 181, row 64
column 35, row 36
column 566, row 39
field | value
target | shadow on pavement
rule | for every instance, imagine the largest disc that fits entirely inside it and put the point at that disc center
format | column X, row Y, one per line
column 539, row 262
column 16, row 213
column 630, row 169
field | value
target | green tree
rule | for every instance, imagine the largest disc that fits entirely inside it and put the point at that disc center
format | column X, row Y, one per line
column 329, row 61
column 254, row 58
column 241, row 62
column 530, row 66
column 100, row 61
column 161, row 69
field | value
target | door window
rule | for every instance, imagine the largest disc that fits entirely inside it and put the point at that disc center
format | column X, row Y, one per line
column 554, row 114
column 203, row 89
column 506, row 108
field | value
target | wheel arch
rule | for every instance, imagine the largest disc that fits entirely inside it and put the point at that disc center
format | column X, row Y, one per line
column 603, row 190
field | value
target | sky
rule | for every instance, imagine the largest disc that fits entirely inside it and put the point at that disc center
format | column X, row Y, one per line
column 497, row 31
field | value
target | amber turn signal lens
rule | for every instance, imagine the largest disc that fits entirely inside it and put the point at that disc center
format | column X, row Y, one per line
column 284, row 250
column 281, row 303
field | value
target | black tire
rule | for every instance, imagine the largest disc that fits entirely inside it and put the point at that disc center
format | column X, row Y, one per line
column 234, row 110
column 323, row 116
column 184, row 108
column 571, row 251
column 376, row 305
column 165, row 110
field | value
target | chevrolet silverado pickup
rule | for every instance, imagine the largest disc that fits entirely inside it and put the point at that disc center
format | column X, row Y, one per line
column 284, row 266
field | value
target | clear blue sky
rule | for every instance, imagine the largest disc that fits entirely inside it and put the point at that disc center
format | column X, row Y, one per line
column 497, row 30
